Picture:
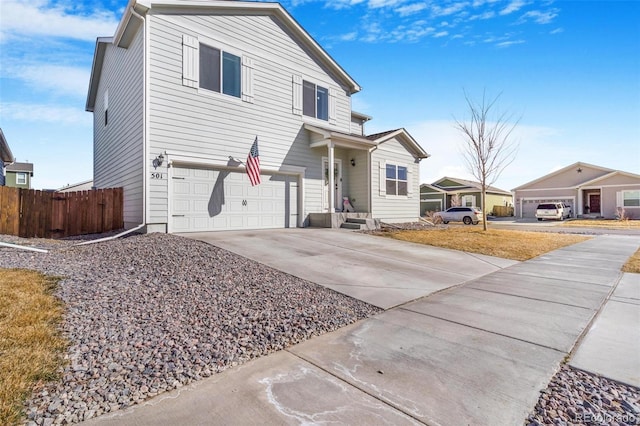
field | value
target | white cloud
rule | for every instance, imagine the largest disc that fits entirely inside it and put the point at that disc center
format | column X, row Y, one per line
column 348, row 36
column 557, row 31
column 43, row 18
column 58, row 79
column 449, row 10
column 514, row 6
column 539, row 17
column 483, row 16
column 411, row 9
column 509, row 43
column 39, row 113
column 376, row 4
column 441, row 34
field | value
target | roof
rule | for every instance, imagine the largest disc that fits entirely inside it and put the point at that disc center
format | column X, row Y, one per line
column 562, row 170
column 129, row 24
column 361, row 116
column 5, row 152
column 434, row 188
column 609, row 175
column 342, row 139
column 410, row 143
column 20, row 167
column 468, row 184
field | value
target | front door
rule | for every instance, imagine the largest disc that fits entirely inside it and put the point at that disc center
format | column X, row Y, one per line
column 594, row 203
column 337, row 178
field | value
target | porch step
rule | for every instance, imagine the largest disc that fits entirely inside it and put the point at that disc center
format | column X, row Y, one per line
column 362, row 220
column 350, row 225
column 359, row 223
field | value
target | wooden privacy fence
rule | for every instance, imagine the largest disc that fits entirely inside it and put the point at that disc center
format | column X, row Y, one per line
column 502, row 211
column 29, row 213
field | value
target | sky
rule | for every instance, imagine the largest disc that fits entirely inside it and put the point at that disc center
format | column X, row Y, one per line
column 566, row 73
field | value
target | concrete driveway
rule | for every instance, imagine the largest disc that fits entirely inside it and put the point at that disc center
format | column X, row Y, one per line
column 382, row 272
column 478, row 353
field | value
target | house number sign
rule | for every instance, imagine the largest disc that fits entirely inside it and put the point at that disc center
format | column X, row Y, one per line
column 157, row 175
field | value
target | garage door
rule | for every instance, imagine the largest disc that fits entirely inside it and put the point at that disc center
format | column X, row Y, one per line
column 529, row 206
column 216, row 200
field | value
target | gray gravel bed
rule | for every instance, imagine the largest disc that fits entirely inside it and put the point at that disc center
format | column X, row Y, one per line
column 150, row 313
column 577, row 397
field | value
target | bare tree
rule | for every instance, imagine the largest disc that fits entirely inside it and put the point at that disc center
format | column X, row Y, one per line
column 489, row 147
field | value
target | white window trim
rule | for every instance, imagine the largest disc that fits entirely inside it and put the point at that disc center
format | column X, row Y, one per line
column 298, row 100
column 20, row 175
column 191, row 68
column 383, row 180
column 620, row 199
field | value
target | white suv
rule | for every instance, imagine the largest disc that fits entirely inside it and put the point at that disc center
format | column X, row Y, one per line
column 466, row 215
column 558, row 211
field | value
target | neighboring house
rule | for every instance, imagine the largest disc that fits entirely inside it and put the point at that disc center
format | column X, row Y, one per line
column 6, row 157
column 80, row 186
column 589, row 190
column 19, row 175
column 182, row 90
column 439, row 195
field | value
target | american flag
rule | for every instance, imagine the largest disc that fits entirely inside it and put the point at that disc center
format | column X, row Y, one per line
column 253, row 164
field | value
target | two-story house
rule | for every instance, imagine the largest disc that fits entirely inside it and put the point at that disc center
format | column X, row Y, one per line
column 19, row 175
column 6, row 157
column 182, row 90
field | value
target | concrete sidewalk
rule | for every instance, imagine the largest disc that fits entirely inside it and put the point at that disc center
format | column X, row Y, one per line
column 612, row 346
column 477, row 354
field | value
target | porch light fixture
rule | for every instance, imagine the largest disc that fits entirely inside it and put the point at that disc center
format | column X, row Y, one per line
column 157, row 162
column 579, row 170
column 353, row 162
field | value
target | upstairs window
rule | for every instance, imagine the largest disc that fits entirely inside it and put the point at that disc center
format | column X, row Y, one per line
column 220, row 71
column 397, row 182
column 315, row 101
column 21, row 178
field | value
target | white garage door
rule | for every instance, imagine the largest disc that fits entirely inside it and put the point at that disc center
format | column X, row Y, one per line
column 529, row 206
column 216, row 200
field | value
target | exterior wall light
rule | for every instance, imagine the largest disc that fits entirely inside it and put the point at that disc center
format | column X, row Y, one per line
column 157, row 162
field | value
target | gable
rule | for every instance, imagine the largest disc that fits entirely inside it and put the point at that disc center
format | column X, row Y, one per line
column 402, row 139
column 617, row 178
column 568, row 177
column 449, row 183
column 425, row 188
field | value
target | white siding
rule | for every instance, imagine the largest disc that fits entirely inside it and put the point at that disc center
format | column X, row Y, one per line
column 392, row 208
column 358, row 187
column 118, row 146
column 191, row 120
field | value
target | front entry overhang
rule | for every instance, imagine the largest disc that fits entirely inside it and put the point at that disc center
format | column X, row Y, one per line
column 330, row 139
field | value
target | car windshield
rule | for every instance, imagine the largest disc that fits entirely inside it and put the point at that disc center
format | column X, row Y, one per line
column 547, row 206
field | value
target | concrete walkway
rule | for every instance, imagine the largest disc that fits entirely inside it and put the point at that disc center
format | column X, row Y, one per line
column 478, row 353
column 612, row 346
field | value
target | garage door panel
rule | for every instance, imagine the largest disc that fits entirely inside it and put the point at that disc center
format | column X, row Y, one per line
column 208, row 199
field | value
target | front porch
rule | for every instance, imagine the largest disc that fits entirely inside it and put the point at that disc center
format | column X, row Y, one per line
column 343, row 220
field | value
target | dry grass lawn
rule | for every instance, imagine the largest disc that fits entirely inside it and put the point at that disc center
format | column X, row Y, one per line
column 633, row 264
column 604, row 223
column 31, row 347
column 516, row 245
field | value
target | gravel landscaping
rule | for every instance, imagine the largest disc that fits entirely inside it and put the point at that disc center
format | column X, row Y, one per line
column 577, row 397
column 150, row 313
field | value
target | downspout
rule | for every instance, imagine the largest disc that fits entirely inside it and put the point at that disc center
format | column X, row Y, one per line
column 145, row 118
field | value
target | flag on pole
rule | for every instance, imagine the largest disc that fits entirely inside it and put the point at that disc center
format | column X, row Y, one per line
column 253, row 164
